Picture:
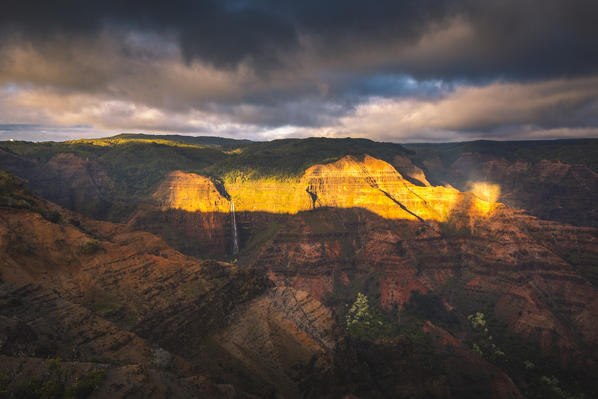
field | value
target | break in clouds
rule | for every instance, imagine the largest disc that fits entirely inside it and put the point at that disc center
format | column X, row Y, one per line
column 402, row 71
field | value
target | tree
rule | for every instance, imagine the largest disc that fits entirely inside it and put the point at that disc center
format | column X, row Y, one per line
column 365, row 322
column 484, row 343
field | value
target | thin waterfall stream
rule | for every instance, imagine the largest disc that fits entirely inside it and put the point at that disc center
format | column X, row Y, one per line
column 234, row 229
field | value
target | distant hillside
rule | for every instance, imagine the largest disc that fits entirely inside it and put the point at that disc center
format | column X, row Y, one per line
column 206, row 141
column 108, row 178
column 292, row 157
column 571, row 151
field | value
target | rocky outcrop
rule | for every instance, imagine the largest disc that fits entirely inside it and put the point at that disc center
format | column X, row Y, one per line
column 376, row 186
column 190, row 214
column 190, row 192
column 78, row 183
column 468, row 374
column 278, row 332
column 410, row 171
column 125, row 275
column 512, row 267
column 512, row 260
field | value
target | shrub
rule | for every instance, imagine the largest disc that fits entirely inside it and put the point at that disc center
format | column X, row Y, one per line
column 53, row 385
column 90, row 247
column 52, row 216
column 85, row 386
column 365, row 322
column 484, row 343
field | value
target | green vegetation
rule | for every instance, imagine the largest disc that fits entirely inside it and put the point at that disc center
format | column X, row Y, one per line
column 538, row 374
column 90, row 247
column 525, row 362
column 549, row 388
column 137, row 163
column 289, row 158
column 368, row 322
column 138, row 167
column 126, row 155
column 53, row 385
column 484, row 342
column 411, row 320
column 119, row 140
column 365, row 322
column 203, row 141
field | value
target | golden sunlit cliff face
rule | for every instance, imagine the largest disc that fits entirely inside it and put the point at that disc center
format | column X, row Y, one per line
column 371, row 184
column 375, row 185
column 190, row 192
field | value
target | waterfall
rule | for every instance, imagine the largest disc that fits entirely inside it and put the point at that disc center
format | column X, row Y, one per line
column 234, row 229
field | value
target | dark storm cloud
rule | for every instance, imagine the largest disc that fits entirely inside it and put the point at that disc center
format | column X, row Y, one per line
column 220, row 32
column 392, row 70
column 518, row 39
column 16, row 127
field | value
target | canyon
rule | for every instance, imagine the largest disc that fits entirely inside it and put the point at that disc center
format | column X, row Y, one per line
column 157, row 295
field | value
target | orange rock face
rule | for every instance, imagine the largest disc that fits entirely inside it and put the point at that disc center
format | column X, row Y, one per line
column 375, row 185
column 193, row 215
column 370, row 184
column 190, row 192
column 190, row 214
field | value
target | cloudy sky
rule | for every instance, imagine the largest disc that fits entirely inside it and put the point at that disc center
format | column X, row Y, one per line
column 392, row 70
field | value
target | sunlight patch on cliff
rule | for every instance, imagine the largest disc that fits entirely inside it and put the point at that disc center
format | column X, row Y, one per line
column 370, row 184
column 482, row 208
column 488, row 192
column 190, row 192
column 485, row 198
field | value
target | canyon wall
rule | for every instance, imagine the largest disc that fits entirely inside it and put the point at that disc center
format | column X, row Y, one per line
column 192, row 212
column 370, row 183
column 103, row 296
column 357, row 224
column 547, row 188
